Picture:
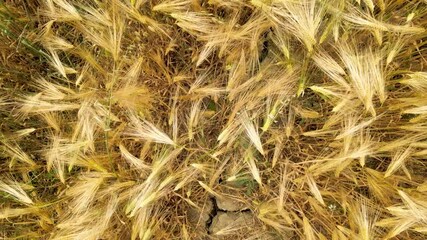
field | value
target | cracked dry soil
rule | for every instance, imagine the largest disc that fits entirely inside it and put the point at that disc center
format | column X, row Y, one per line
column 228, row 215
column 222, row 216
column 226, row 218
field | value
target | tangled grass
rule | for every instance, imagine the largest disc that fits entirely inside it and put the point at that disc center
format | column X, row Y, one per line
column 119, row 117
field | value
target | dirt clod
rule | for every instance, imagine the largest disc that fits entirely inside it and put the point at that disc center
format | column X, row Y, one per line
column 229, row 204
column 226, row 222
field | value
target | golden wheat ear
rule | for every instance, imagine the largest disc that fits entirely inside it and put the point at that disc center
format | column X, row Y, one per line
column 147, row 131
column 16, row 191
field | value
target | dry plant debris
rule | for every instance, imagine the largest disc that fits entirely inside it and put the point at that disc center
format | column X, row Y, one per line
column 131, row 119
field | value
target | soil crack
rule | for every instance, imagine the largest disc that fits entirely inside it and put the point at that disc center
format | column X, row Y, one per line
column 216, row 210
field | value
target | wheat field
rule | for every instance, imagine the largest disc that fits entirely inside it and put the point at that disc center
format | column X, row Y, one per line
column 213, row 119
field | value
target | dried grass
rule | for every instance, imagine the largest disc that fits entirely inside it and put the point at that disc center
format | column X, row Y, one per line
column 120, row 117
